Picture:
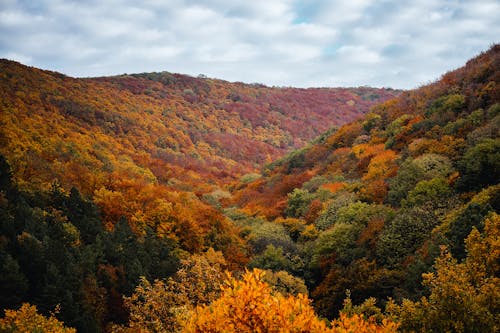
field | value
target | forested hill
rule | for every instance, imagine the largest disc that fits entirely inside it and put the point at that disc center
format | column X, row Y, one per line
column 104, row 180
column 168, row 126
column 133, row 142
column 369, row 207
column 127, row 202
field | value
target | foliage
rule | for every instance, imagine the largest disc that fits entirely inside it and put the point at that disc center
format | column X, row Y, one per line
column 162, row 306
column 249, row 305
column 114, row 179
column 385, row 192
column 272, row 258
column 464, row 296
column 55, row 250
column 412, row 171
column 298, row 203
column 480, row 165
column 285, row 283
column 433, row 191
column 27, row 319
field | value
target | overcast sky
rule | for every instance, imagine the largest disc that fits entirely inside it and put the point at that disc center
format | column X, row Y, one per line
column 384, row 43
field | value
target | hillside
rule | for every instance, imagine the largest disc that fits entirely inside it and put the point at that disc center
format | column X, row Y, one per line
column 165, row 203
column 113, row 137
column 370, row 206
column 141, row 159
column 189, row 127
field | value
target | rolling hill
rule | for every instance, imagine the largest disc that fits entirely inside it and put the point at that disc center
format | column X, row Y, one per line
column 125, row 199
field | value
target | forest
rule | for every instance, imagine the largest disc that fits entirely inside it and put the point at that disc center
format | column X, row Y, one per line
column 160, row 202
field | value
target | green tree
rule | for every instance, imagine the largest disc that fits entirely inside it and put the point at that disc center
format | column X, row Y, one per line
column 412, row 171
column 272, row 258
column 298, row 203
column 465, row 297
column 435, row 191
column 404, row 234
column 480, row 166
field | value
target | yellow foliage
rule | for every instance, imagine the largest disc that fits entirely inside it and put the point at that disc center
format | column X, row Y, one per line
column 357, row 323
column 464, row 296
column 160, row 306
column 27, row 320
column 250, row 305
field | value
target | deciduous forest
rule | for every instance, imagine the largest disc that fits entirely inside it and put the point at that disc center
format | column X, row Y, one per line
column 160, row 202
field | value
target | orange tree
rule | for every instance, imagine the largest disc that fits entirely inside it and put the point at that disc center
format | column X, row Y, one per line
column 250, row 305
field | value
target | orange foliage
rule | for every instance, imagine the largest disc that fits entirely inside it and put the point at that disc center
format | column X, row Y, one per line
column 334, row 187
column 136, row 143
column 382, row 165
column 249, row 305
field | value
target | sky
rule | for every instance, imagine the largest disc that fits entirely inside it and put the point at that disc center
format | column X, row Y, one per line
column 316, row 43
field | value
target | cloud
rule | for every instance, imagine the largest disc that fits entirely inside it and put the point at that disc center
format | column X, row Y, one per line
column 281, row 42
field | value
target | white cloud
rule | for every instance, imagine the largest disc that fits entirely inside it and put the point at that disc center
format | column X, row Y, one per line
column 281, row 42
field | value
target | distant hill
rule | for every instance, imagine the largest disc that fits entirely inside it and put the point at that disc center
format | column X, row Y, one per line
column 139, row 143
column 168, row 126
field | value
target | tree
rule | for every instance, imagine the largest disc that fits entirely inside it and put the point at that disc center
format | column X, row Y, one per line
column 412, row 171
column 404, row 234
column 298, row 203
column 480, row 166
column 272, row 258
column 161, row 305
column 250, row 305
column 27, row 319
column 464, row 297
column 434, row 191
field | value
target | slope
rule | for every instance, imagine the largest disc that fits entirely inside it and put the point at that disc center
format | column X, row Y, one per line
column 148, row 146
column 367, row 207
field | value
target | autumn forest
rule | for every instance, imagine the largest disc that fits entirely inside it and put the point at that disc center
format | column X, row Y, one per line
column 161, row 202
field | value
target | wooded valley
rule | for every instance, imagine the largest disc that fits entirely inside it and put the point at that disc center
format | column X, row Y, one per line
column 160, row 202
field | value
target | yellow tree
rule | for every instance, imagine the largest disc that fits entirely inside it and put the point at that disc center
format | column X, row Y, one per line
column 251, row 305
column 465, row 297
column 27, row 320
column 159, row 306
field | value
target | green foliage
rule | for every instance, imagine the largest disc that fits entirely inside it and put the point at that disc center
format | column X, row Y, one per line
column 13, row 283
column 268, row 233
column 272, row 259
column 480, row 166
column 428, row 191
column 453, row 103
column 340, row 242
column 404, row 234
column 331, row 213
column 362, row 213
column 412, row 171
column 298, row 203
column 250, row 177
column 464, row 296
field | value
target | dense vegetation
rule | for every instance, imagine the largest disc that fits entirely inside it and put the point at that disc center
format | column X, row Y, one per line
column 158, row 148
column 373, row 205
column 133, row 204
